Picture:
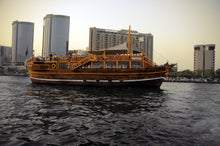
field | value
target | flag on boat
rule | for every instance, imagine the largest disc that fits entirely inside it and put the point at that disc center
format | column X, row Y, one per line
column 26, row 53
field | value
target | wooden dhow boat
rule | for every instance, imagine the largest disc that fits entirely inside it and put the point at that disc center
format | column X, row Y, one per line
column 102, row 68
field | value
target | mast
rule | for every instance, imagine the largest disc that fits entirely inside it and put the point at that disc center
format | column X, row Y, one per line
column 129, row 39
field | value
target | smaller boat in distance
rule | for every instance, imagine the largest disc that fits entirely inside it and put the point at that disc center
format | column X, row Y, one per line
column 99, row 68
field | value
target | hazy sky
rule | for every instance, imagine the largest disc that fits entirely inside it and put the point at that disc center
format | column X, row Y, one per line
column 177, row 25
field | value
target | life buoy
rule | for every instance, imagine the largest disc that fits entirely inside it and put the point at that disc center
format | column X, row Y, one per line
column 53, row 66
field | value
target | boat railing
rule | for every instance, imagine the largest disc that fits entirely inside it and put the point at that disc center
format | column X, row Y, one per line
column 55, row 58
column 120, row 57
column 148, row 60
column 93, row 57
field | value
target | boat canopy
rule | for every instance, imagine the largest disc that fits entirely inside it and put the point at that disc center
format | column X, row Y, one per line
column 119, row 49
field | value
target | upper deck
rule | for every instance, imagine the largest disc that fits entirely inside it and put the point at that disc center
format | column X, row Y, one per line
column 92, row 61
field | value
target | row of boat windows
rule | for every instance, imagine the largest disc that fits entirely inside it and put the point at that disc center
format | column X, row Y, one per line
column 112, row 65
column 108, row 65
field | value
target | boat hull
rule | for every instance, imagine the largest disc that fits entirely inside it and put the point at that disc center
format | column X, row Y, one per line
column 150, row 82
column 97, row 71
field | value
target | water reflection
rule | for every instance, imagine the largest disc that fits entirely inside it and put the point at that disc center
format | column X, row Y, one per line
column 85, row 115
column 99, row 99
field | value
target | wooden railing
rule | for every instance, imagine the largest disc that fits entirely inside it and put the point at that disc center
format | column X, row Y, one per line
column 80, row 63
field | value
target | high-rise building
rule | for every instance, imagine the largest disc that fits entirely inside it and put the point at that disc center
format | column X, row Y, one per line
column 5, row 55
column 55, row 35
column 105, row 38
column 22, row 40
column 204, row 57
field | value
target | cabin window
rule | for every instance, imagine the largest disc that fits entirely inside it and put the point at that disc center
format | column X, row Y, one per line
column 123, row 64
column 136, row 65
column 97, row 65
column 110, row 65
column 63, row 66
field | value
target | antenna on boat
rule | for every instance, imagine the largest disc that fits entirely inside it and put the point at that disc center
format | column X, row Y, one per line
column 129, row 39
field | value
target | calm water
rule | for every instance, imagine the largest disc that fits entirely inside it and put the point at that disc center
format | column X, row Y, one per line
column 178, row 114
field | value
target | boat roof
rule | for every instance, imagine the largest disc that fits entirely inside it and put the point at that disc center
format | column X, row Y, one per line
column 111, row 52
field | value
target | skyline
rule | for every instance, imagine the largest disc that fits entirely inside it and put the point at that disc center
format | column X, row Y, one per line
column 175, row 25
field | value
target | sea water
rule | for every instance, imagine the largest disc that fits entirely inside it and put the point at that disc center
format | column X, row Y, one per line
column 175, row 114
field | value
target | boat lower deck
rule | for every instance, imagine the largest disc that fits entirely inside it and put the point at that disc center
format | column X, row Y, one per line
column 150, row 82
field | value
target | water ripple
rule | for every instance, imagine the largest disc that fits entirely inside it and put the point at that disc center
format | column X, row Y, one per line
column 178, row 114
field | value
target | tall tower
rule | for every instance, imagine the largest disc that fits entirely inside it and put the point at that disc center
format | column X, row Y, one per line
column 55, row 35
column 22, row 40
column 204, row 57
column 148, row 45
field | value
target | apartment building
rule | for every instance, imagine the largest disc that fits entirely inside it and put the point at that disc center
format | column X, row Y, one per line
column 105, row 38
column 204, row 57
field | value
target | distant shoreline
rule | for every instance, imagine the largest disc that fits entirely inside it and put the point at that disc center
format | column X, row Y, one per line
column 182, row 81
column 24, row 75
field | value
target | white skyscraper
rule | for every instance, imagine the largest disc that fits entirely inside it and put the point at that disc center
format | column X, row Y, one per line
column 55, row 35
column 22, row 40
